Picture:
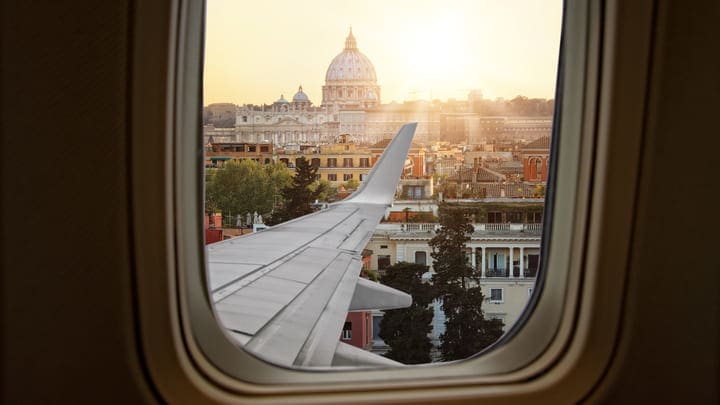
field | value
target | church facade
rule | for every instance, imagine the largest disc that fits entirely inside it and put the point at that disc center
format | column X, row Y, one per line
column 350, row 88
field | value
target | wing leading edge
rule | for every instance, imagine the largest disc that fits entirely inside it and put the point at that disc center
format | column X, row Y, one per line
column 283, row 293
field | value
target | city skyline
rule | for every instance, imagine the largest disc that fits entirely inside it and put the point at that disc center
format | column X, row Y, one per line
column 419, row 51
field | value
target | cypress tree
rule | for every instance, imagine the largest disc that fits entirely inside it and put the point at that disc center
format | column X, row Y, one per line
column 299, row 195
column 466, row 329
column 406, row 330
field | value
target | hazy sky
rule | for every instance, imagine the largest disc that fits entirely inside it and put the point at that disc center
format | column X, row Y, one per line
column 257, row 50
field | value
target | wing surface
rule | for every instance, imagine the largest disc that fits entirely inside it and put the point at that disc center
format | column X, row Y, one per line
column 283, row 292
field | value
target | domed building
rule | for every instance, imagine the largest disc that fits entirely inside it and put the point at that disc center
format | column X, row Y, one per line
column 350, row 90
column 350, row 81
column 301, row 100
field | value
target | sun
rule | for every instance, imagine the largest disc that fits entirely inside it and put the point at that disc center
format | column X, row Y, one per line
column 435, row 54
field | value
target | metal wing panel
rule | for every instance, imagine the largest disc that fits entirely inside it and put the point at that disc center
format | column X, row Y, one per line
column 282, row 339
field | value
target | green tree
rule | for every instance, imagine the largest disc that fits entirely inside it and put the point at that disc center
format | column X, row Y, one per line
column 300, row 193
column 280, row 177
column 406, row 330
column 458, row 287
column 241, row 187
column 328, row 193
column 539, row 191
column 352, row 184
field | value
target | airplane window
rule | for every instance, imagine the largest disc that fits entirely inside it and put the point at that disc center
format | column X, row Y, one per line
column 453, row 103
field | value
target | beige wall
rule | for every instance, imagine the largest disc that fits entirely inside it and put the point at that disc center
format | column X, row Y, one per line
column 515, row 298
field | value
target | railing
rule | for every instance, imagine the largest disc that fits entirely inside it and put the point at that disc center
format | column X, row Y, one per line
column 530, row 272
column 496, row 227
column 433, row 226
column 496, row 273
column 421, row 227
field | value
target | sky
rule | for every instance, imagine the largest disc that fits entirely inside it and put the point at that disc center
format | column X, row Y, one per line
column 421, row 49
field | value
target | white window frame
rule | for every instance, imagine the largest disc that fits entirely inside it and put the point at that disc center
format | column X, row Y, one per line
column 502, row 295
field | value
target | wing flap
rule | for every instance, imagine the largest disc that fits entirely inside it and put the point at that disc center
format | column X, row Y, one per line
column 347, row 355
column 370, row 295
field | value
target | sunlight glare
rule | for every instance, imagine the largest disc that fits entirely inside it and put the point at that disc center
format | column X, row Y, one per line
column 434, row 52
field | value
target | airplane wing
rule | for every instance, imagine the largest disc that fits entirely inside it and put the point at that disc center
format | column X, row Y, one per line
column 283, row 293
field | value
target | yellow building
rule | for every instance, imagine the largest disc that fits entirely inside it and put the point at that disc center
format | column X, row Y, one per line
column 337, row 163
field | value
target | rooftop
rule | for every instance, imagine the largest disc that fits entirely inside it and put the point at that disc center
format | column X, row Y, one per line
column 540, row 143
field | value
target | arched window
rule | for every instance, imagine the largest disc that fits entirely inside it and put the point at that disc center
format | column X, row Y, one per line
column 538, row 168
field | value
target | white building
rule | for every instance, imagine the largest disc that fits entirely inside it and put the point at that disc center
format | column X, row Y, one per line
column 494, row 249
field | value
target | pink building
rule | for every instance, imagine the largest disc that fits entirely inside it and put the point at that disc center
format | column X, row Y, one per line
column 357, row 330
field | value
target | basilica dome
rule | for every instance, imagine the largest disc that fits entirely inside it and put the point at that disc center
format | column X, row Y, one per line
column 350, row 81
column 351, row 65
column 300, row 96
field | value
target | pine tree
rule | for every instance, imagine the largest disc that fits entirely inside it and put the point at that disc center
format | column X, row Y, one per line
column 406, row 330
column 466, row 329
column 299, row 195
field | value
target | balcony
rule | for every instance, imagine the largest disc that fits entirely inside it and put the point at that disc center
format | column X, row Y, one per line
column 530, row 273
column 496, row 273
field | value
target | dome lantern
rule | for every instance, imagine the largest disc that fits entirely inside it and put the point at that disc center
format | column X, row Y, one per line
column 350, row 43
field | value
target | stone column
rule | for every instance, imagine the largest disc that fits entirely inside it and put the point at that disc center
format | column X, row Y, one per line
column 510, row 273
column 482, row 261
column 522, row 263
column 474, row 258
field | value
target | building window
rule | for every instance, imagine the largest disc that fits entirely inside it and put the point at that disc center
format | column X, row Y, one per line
column 315, row 162
column 383, row 246
column 267, row 161
column 364, row 162
column 332, row 162
column 494, row 217
column 347, row 331
column 534, row 217
column 496, row 295
column 538, row 172
column 532, row 265
column 332, row 177
column 383, row 262
column 252, row 148
column 347, row 162
column 516, row 217
column 421, row 258
column 264, row 149
column 347, row 176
